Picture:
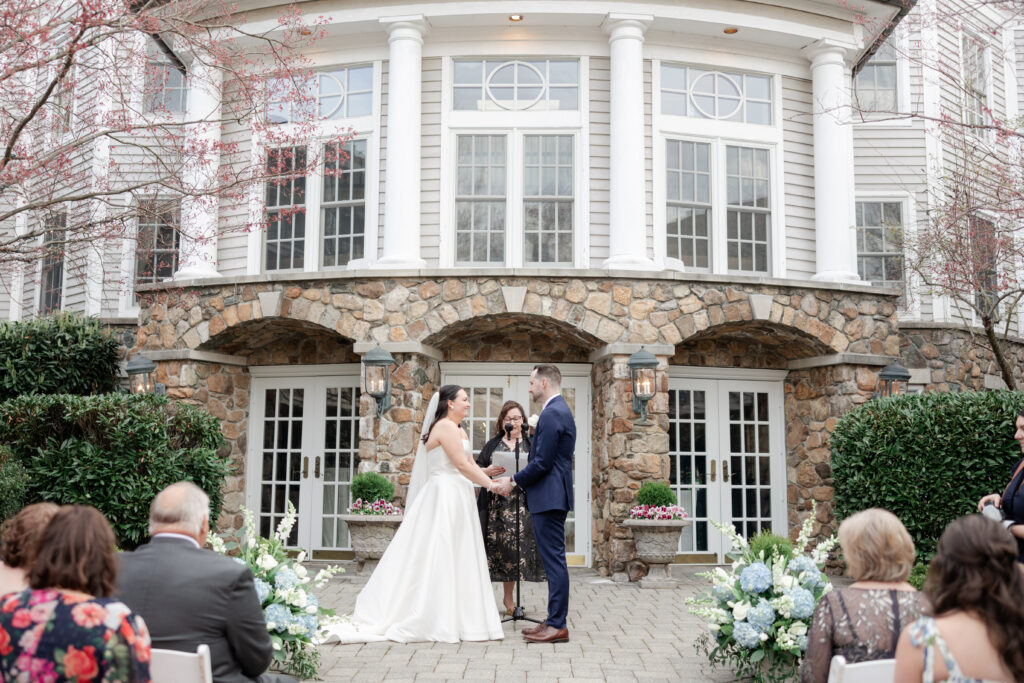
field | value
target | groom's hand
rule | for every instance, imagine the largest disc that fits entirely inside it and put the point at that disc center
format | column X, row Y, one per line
column 503, row 486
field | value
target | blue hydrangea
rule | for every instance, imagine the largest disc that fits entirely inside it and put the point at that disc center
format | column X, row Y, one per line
column 278, row 615
column 802, row 642
column 756, row 578
column 240, row 561
column 746, row 635
column 801, row 563
column 262, row 589
column 311, row 601
column 309, row 621
column 762, row 616
column 285, row 579
column 723, row 592
column 803, row 603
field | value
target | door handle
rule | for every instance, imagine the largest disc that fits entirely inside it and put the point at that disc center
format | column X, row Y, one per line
column 305, row 467
column 316, row 468
column 712, row 470
column 725, row 470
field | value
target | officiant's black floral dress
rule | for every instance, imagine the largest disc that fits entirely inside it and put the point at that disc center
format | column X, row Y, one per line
column 500, row 535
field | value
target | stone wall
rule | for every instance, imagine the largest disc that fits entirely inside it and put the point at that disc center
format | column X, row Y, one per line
column 957, row 359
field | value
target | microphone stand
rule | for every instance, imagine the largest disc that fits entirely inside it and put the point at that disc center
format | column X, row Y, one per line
column 518, row 614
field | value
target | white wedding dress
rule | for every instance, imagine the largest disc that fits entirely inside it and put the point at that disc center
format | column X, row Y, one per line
column 432, row 583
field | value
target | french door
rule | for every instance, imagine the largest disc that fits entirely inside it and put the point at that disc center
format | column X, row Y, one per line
column 727, row 460
column 304, row 448
column 489, row 385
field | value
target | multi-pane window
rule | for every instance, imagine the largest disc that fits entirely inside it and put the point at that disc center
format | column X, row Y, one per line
column 516, row 85
column 158, row 242
column 166, row 89
column 748, row 210
column 327, row 95
column 285, row 240
column 723, row 95
column 974, row 64
column 52, row 272
column 688, row 210
column 343, row 204
column 876, row 88
column 985, row 252
column 480, row 199
column 547, row 198
column 880, row 243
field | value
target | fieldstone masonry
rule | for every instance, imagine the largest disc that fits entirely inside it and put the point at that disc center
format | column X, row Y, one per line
column 205, row 337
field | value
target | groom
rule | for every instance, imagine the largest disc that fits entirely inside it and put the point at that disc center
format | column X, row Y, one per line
column 547, row 482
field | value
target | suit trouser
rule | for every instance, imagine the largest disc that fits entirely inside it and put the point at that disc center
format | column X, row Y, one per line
column 549, row 530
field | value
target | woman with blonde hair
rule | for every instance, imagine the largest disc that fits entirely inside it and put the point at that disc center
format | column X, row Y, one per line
column 19, row 542
column 863, row 622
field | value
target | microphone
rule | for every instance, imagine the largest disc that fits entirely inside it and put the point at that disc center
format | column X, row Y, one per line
column 508, row 430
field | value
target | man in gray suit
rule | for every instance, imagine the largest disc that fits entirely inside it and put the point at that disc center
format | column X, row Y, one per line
column 189, row 596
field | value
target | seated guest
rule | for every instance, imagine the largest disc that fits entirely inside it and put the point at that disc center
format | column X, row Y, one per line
column 190, row 596
column 65, row 627
column 977, row 593
column 20, row 540
column 863, row 621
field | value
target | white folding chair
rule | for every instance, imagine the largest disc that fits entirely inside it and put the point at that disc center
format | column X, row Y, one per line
column 172, row 666
column 877, row 671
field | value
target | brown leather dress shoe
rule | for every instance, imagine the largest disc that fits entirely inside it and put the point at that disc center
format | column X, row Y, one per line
column 549, row 634
column 533, row 629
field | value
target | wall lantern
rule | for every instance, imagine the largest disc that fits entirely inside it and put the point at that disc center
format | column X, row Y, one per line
column 142, row 376
column 892, row 381
column 642, row 372
column 377, row 377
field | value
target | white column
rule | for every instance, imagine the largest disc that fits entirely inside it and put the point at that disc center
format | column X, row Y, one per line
column 18, row 268
column 198, row 257
column 402, row 168
column 834, row 219
column 627, row 199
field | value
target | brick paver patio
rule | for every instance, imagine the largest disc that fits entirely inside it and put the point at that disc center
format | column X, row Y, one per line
column 618, row 632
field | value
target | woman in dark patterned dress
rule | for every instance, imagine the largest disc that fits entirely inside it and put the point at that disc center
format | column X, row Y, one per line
column 498, row 513
column 65, row 627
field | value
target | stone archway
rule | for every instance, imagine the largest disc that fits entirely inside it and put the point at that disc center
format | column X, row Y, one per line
column 749, row 344
column 514, row 337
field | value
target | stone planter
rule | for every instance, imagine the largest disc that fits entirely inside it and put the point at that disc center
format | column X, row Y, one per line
column 657, row 541
column 370, row 535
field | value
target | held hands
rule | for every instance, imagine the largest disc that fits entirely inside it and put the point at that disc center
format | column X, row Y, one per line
column 502, row 486
column 990, row 498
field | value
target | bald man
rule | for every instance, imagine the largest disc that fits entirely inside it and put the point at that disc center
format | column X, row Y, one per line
column 189, row 596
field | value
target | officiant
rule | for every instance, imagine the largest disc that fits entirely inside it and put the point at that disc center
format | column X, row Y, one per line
column 498, row 514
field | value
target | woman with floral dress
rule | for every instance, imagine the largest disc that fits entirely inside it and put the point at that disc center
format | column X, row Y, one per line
column 65, row 626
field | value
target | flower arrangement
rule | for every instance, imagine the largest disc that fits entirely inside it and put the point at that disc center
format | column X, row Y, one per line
column 657, row 512
column 759, row 613
column 533, row 420
column 293, row 614
column 378, row 507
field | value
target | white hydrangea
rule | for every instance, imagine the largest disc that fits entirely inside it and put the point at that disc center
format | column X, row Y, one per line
column 298, row 598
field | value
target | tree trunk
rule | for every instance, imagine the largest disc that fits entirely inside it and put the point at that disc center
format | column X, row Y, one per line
column 997, row 350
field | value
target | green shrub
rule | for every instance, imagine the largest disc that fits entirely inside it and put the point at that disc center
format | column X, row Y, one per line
column 371, row 487
column 918, row 574
column 656, row 493
column 60, row 354
column 767, row 541
column 13, row 480
column 114, row 451
column 927, row 458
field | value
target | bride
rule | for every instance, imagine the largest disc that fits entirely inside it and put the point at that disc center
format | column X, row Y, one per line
column 432, row 582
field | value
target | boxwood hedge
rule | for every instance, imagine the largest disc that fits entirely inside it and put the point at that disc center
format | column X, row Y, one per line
column 113, row 451
column 926, row 457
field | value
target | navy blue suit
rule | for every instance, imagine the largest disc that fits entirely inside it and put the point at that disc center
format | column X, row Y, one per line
column 547, row 482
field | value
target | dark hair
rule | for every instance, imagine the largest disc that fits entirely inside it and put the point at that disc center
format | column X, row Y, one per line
column 509, row 405
column 1020, row 414
column 76, row 552
column 975, row 570
column 549, row 372
column 446, row 393
column 21, row 534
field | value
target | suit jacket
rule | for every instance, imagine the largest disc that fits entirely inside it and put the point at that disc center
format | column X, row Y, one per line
column 188, row 596
column 547, row 477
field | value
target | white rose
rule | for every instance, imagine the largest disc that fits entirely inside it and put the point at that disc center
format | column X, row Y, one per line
column 740, row 609
column 300, row 571
column 798, row 628
column 266, row 562
column 533, row 420
column 764, row 637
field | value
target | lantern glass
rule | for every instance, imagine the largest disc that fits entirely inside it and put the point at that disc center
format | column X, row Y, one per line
column 892, row 381
column 141, row 383
column 643, row 383
column 375, row 380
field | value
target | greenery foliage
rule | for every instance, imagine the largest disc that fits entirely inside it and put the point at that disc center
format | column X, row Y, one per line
column 371, row 487
column 114, row 452
column 13, row 480
column 59, row 354
column 770, row 544
column 918, row 574
column 927, row 458
column 655, row 493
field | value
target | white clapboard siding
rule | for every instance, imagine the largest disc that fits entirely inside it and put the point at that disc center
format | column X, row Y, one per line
column 599, row 156
column 430, row 163
column 234, row 217
column 798, row 168
column 382, row 159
